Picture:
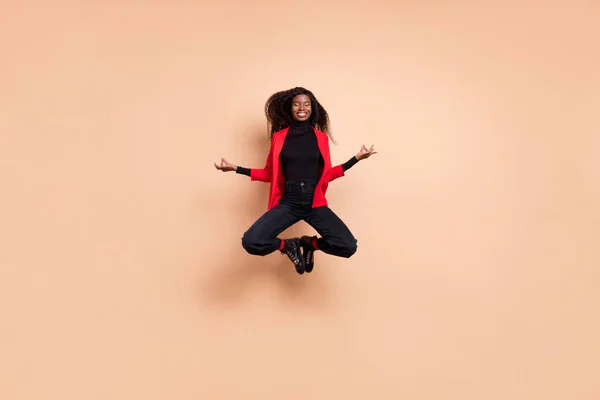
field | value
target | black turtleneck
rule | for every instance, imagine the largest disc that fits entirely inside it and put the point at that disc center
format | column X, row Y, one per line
column 300, row 156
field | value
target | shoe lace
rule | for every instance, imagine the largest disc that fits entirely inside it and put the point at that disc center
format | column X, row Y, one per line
column 308, row 255
column 292, row 256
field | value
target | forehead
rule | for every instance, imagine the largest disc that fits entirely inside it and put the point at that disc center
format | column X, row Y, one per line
column 301, row 98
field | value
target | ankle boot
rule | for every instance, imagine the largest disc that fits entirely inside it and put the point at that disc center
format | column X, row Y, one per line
column 308, row 252
column 291, row 248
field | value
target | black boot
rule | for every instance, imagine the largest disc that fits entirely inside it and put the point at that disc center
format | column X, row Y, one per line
column 292, row 250
column 308, row 252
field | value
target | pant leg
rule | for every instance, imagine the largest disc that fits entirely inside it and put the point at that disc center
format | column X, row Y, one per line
column 261, row 238
column 336, row 239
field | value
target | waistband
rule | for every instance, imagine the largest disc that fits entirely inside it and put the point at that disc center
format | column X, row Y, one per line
column 304, row 183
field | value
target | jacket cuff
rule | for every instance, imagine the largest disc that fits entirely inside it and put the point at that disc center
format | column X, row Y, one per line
column 337, row 172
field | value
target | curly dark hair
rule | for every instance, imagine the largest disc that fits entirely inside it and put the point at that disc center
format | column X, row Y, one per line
column 278, row 110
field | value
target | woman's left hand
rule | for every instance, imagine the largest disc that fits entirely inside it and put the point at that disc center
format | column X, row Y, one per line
column 365, row 153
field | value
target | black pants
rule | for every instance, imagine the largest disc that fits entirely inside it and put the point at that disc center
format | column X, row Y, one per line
column 295, row 205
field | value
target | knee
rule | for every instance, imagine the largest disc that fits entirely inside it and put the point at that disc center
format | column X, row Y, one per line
column 348, row 248
column 250, row 243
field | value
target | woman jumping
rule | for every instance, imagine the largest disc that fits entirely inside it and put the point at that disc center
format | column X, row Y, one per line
column 299, row 170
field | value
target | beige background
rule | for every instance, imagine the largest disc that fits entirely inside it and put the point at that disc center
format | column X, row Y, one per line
column 122, row 273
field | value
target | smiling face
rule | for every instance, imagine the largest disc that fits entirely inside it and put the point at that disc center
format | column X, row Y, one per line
column 301, row 108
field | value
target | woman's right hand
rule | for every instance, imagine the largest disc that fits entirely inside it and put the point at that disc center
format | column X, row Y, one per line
column 225, row 166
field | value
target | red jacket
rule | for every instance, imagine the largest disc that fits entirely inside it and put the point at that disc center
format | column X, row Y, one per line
column 272, row 171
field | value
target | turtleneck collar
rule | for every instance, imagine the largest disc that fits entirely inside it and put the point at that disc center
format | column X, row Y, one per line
column 300, row 127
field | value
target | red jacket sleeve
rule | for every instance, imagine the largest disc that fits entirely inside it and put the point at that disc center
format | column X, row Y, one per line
column 264, row 174
column 335, row 172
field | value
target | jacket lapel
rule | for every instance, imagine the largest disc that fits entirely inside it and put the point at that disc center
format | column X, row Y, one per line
column 278, row 145
column 276, row 179
column 323, row 142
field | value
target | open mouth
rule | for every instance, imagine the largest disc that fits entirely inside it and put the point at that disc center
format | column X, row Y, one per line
column 301, row 114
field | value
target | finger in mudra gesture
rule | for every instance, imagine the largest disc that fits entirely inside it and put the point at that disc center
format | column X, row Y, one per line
column 365, row 153
column 225, row 166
